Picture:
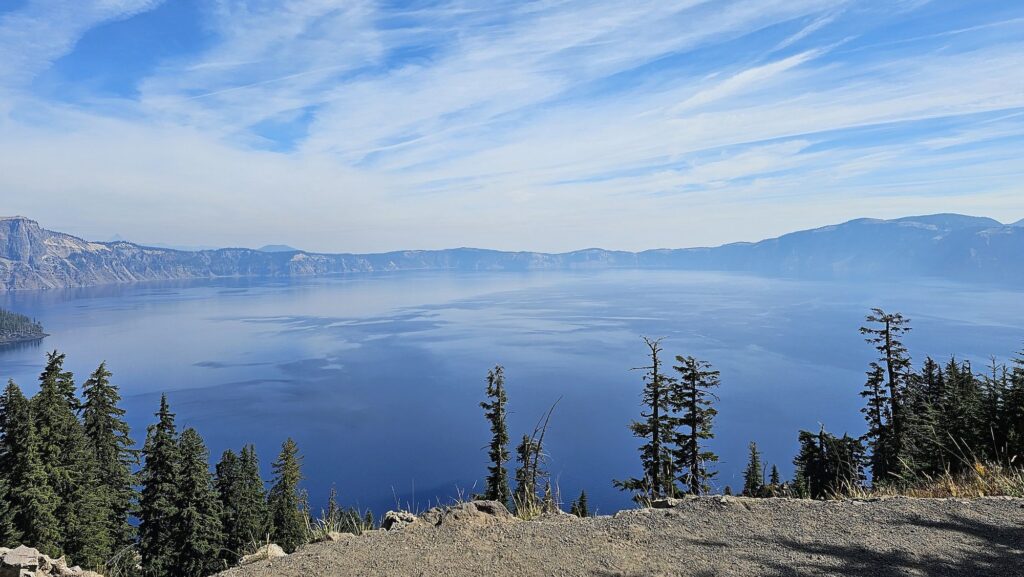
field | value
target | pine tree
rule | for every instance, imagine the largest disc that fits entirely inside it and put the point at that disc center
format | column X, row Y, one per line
column 285, row 502
column 525, row 495
column 70, row 466
column 196, row 523
column 107, row 433
column 1015, row 411
column 828, row 466
column 775, row 482
column 243, row 502
column 497, row 488
column 753, row 476
column 579, row 506
column 32, row 501
column 658, row 429
column 226, row 481
column 157, row 502
column 964, row 429
column 885, row 332
column 879, row 418
column 692, row 396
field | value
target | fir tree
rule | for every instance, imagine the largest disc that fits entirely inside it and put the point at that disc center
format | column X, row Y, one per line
column 32, row 501
column 70, row 466
column 885, row 331
column 1015, row 411
column 226, row 481
column 196, row 523
column 775, row 480
column 879, row 418
column 107, row 434
column 658, row 429
column 159, row 496
column 285, row 502
column 252, row 520
column 525, row 495
column 692, row 396
column 753, row 476
column 579, row 506
column 828, row 466
column 497, row 488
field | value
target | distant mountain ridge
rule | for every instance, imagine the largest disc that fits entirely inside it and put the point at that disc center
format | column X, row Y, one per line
column 951, row 246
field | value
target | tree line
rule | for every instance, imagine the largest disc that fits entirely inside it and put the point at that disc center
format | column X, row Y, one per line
column 72, row 480
column 921, row 425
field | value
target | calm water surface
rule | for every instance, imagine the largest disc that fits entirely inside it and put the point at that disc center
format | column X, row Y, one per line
column 378, row 377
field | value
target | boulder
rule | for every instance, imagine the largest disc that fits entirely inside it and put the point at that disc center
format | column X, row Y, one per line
column 28, row 562
column 23, row 557
column 266, row 552
column 474, row 513
column 395, row 520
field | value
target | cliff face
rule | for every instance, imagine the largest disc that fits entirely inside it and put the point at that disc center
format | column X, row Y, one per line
column 946, row 246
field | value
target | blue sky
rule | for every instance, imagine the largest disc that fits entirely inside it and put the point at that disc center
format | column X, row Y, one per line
column 548, row 125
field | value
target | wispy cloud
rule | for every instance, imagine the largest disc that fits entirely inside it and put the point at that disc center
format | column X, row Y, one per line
column 44, row 30
column 364, row 125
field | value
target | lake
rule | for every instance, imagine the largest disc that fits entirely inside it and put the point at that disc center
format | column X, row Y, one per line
column 378, row 377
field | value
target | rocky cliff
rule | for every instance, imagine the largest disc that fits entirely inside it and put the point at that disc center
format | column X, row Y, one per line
column 948, row 246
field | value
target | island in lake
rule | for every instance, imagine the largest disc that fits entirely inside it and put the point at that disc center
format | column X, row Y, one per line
column 18, row 328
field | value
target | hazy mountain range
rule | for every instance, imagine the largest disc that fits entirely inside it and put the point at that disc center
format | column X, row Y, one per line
column 951, row 246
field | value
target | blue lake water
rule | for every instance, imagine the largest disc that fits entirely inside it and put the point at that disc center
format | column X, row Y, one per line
column 378, row 377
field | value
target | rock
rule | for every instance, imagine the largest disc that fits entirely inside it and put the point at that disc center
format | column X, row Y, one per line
column 23, row 557
column 471, row 514
column 395, row 520
column 266, row 552
column 668, row 503
column 334, row 536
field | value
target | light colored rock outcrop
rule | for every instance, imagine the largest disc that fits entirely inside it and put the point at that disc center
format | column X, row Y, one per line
column 264, row 553
column 395, row 520
column 25, row 561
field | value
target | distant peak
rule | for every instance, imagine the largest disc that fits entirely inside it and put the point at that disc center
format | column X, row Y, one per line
column 277, row 248
column 952, row 220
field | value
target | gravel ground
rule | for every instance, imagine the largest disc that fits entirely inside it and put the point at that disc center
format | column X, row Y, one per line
column 711, row 536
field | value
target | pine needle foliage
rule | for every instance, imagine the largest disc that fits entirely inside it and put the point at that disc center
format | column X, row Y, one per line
column 495, row 411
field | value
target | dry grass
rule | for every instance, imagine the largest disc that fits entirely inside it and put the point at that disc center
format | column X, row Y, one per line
column 980, row 480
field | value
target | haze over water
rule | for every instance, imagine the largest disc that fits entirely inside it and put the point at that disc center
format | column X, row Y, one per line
column 378, row 376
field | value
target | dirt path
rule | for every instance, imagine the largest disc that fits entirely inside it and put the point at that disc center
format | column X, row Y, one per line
column 703, row 537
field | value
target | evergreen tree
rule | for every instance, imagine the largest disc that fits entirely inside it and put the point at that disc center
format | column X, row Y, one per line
column 159, row 496
column 879, row 418
column 227, row 474
column 579, row 506
column 33, row 503
column 885, row 331
column 927, row 451
column 658, row 429
column 692, row 396
column 196, row 523
column 828, row 466
column 525, row 496
column 497, row 488
column 774, row 481
column 253, row 518
column 70, row 466
column 753, row 476
column 333, row 513
column 285, row 502
column 107, row 435
column 964, row 429
column 1015, row 411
